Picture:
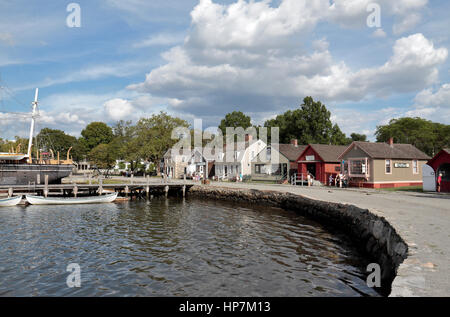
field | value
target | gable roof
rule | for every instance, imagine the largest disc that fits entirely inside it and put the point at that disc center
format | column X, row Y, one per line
column 290, row 151
column 328, row 153
column 439, row 154
column 385, row 151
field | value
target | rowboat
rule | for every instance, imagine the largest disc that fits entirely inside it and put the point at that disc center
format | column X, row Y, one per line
column 12, row 201
column 39, row 200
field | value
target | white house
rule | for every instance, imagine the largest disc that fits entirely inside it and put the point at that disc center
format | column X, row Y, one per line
column 199, row 163
column 239, row 163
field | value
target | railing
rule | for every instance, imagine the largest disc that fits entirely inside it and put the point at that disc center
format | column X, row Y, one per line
column 299, row 178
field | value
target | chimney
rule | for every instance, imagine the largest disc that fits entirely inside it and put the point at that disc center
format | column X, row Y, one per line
column 294, row 142
column 391, row 142
column 248, row 138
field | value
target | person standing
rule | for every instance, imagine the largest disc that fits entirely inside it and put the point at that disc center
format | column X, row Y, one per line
column 330, row 180
column 309, row 179
column 439, row 181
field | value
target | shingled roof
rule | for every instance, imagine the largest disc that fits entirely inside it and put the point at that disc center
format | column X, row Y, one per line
column 290, row 151
column 329, row 153
column 385, row 151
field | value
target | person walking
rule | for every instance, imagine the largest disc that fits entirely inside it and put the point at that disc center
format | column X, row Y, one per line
column 330, row 180
column 309, row 179
column 439, row 181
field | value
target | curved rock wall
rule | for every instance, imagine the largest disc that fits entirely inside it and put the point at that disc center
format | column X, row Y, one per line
column 372, row 234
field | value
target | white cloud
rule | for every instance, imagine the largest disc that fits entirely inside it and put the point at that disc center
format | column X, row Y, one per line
column 92, row 72
column 406, row 23
column 432, row 105
column 379, row 33
column 118, row 109
column 162, row 39
column 440, row 98
column 247, row 53
column 353, row 13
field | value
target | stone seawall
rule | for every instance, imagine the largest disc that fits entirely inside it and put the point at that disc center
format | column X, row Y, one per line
column 374, row 236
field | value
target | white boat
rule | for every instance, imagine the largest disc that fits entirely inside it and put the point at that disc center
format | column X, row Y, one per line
column 12, row 201
column 39, row 200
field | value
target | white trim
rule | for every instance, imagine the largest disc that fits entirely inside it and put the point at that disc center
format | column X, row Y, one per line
column 390, row 166
column 418, row 168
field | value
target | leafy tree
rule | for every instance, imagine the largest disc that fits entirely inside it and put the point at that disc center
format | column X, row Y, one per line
column 103, row 156
column 96, row 133
column 358, row 137
column 80, row 150
column 55, row 140
column 152, row 137
column 124, row 132
column 309, row 124
column 426, row 135
column 235, row 119
column 337, row 136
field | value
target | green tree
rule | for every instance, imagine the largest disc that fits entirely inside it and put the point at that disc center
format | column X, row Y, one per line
column 235, row 119
column 358, row 137
column 96, row 133
column 152, row 137
column 103, row 156
column 80, row 150
column 337, row 136
column 55, row 140
column 426, row 135
column 311, row 123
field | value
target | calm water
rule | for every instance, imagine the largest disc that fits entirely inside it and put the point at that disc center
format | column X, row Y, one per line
column 173, row 248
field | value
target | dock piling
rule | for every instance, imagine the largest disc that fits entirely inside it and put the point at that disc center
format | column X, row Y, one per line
column 46, row 186
column 100, row 187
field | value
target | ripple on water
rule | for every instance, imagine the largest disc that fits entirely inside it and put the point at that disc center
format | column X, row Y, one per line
column 174, row 248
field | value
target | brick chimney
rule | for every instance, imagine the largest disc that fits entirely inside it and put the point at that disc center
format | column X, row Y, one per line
column 294, row 142
column 391, row 142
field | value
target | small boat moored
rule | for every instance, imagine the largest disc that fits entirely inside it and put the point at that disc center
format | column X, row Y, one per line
column 12, row 201
column 38, row 200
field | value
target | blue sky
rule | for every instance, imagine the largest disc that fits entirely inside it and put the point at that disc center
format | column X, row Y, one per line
column 203, row 59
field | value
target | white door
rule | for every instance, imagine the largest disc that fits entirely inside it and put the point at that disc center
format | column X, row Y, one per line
column 429, row 179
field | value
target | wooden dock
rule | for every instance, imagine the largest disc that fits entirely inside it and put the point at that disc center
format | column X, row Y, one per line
column 133, row 189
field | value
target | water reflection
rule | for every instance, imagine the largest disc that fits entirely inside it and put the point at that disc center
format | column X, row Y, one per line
column 173, row 247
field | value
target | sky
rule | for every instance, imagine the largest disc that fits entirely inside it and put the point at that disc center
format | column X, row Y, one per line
column 201, row 59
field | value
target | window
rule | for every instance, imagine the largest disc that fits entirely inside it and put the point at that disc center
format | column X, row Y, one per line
column 388, row 166
column 415, row 167
column 260, row 169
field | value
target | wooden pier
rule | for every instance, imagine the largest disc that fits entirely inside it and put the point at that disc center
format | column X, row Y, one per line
column 134, row 188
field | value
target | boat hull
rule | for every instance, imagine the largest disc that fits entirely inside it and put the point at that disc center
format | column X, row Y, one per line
column 25, row 174
column 12, row 201
column 38, row 200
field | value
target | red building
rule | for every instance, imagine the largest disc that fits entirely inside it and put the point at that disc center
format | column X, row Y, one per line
column 441, row 165
column 321, row 161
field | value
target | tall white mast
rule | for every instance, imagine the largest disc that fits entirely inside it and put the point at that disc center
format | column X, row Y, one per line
column 33, row 116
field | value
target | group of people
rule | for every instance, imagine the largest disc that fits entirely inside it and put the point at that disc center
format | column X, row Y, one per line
column 339, row 181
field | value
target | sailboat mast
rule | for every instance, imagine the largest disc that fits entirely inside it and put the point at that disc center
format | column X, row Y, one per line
column 33, row 116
